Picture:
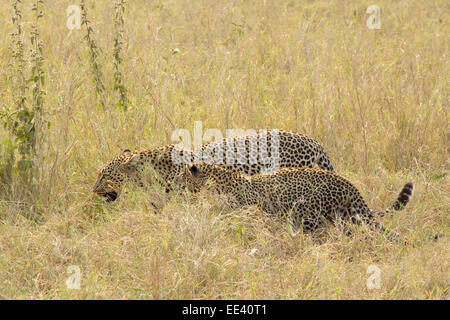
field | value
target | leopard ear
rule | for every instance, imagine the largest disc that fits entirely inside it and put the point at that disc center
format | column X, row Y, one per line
column 131, row 163
column 194, row 170
column 126, row 152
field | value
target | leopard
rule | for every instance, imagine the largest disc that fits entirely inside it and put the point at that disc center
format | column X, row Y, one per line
column 308, row 197
column 263, row 151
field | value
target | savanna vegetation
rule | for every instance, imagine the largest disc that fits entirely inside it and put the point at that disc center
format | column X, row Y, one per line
column 70, row 100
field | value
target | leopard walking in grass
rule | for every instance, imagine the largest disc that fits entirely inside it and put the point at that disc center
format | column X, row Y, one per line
column 249, row 155
column 309, row 196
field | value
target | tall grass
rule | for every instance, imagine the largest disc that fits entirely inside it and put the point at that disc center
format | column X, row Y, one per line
column 377, row 100
column 16, row 118
column 119, row 7
column 37, row 79
column 94, row 55
column 23, row 116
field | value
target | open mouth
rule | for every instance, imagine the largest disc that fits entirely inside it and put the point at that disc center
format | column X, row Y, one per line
column 111, row 196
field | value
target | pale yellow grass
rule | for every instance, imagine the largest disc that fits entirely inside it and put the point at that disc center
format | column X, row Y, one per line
column 377, row 100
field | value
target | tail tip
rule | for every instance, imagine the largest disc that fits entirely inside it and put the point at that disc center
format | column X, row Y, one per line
column 405, row 195
column 409, row 186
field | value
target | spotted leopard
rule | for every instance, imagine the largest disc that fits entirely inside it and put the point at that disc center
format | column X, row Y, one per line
column 309, row 196
column 252, row 154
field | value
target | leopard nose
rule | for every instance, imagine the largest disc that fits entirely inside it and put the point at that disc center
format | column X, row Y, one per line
column 111, row 196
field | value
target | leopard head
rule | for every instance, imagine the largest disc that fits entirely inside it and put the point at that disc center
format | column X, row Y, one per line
column 113, row 175
column 193, row 177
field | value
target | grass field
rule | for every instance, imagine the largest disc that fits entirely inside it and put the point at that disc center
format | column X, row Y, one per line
column 377, row 100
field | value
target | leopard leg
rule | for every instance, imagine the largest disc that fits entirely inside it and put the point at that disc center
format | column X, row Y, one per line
column 342, row 220
column 370, row 220
column 305, row 217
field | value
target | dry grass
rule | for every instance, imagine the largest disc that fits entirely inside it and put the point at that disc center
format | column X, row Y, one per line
column 377, row 100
